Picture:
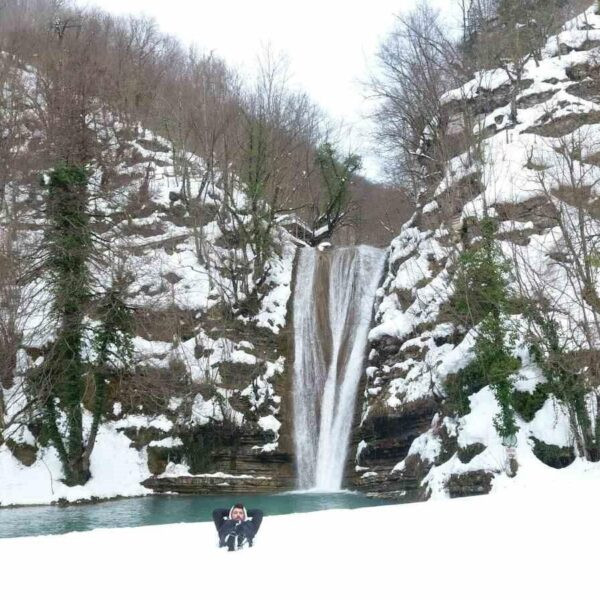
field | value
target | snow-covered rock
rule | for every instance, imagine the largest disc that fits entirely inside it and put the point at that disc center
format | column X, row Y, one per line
column 519, row 173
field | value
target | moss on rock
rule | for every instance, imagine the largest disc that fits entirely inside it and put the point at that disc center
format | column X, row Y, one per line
column 467, row 453
column 24, row 453
column 473, row 483
column 554, row 456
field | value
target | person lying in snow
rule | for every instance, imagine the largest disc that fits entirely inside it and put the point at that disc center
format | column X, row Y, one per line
column 236, row 527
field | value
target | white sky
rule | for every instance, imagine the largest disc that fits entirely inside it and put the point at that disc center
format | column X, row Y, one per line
column 330, row 44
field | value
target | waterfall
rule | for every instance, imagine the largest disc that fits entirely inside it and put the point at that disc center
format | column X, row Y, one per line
column 333, row 301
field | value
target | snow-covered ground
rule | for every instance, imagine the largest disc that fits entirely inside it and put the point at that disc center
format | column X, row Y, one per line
column 118, row 470
column 535, row 541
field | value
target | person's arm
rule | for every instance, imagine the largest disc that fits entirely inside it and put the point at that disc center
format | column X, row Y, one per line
column 257, row 516
column 218, row 515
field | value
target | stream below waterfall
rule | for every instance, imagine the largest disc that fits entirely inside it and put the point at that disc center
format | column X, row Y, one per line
column 160, row 510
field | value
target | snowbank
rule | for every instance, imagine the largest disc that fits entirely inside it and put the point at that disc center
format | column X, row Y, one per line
column 517, row 544
column 117, row 470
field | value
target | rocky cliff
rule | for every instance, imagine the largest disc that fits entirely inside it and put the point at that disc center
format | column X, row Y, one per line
column 524, row 154
column 205, row 392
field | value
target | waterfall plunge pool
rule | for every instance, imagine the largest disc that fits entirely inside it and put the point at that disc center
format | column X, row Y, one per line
column 164, row 509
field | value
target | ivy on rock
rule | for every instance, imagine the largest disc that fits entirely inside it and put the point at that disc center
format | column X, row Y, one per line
column 61, row 382
column 481, row 303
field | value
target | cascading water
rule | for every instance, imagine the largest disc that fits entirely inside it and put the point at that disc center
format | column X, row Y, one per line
column 333, row 300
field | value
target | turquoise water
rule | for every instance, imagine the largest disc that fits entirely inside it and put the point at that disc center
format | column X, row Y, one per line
column 159, row 510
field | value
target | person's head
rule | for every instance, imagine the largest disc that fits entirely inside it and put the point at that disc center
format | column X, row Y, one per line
column 237, row 512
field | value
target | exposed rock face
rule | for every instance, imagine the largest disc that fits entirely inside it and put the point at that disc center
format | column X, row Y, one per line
column 410, row 442
column 215, row 484
column 389, row 436
column 403, row 486
column 251, row 458
column 468, row 453
column 23, row 452
column 473, row 483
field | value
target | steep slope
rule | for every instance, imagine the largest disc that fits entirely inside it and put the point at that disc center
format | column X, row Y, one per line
column 205, row 395
column 536, row 177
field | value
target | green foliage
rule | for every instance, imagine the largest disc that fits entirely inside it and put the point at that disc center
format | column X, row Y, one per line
column 336, row 179
column 565, row 381
column 68, row 238
column 593, row 260
column 113, row 336
column 256, row 165
column 505, row 423
column 527, row 404
column 556, row 457
column 69, row 244
column 459, row 386
column 481, row 301
column 252, row 224
column 202, row 443
column 59, row 383
column 481, row 278
column 497, row 362
column 113, row 344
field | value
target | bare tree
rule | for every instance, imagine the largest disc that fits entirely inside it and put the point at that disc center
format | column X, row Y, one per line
column 417, row 63
column 561, row 291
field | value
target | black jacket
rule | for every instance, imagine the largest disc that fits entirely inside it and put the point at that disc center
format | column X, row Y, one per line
column 249, row 527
